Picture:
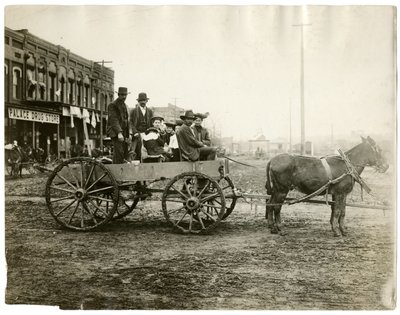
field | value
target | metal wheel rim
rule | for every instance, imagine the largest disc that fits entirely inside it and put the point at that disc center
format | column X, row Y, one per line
column 71, row 190
column 191, row 210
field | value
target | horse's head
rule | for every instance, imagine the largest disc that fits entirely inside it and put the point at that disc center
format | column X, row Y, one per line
column 374, row 155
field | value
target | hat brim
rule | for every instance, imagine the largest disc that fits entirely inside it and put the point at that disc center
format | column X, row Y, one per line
column 187, row 117
column 142, row 99
column 122, row 93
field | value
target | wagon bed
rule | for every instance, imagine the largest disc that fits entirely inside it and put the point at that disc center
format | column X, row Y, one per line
column 84, row 194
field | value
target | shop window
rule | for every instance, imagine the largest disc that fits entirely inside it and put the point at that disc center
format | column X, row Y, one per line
column 17, row 83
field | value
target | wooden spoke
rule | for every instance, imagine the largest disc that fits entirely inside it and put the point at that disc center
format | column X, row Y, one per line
column 211, row 206
column 195, row 185
column 209, row 197
column 63, row 198
column 204, row 189
column 86, row 207
column 187, row 188
column 65, row 180
column 73, row 175
column 73, row 213
column 97, row 180
column 179, row 192
column 176, row 210
column 82, row 173
column 174, row 200
column 82, row 218
column 190, row 222
column 62, row 189
column 181, row 218
column 101, row 198
column 98, row 208
column 65, row 208
column 100, row 189
column 201, row 221
column 208, row 215
column 216, row 201
column 90, row 175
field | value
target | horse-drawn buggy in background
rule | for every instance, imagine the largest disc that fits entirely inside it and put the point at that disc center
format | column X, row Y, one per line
column 84, row 194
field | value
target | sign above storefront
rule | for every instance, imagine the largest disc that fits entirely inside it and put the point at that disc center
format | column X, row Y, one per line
column 24, row 114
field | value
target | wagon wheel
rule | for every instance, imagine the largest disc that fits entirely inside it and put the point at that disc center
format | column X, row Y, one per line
column 73, row 190
column 193, row 202
column 227, row 187
column 124, row 207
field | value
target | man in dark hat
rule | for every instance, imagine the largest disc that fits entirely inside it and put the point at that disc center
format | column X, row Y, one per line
column 118, row 126
column 139, row 121
column 200, row 132
column 191, row 148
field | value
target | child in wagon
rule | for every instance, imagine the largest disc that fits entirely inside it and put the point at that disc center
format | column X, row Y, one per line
column 154, row 144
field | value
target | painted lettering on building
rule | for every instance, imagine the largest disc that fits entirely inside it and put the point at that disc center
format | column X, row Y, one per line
column 24, row 114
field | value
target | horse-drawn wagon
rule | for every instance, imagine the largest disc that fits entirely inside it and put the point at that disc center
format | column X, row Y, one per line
column 84, row 194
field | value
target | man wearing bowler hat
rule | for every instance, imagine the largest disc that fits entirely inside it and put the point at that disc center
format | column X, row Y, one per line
column 118, row 126
column 139, row 122
column 191, row 148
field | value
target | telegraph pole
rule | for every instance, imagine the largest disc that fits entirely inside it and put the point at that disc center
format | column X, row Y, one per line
column 290, row 128
column 302, row 85
column 101, row 109
column 175, row 98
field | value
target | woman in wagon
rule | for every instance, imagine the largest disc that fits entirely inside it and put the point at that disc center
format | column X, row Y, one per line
column 154, row 144
column 191, row 148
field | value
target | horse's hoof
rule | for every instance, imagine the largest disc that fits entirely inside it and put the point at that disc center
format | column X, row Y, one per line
column 337, row 234
column 274, row 231
column 344, row 232
column 283, row 233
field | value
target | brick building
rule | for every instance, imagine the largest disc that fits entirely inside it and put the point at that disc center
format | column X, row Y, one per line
column 53, row 96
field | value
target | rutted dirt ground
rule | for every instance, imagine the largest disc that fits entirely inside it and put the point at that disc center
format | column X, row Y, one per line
column 140, row 263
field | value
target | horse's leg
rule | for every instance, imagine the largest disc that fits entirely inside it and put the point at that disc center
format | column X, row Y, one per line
column 269, row 214
column 280, row 198
column 336, row 210
column 342, row 226
column 332, row 208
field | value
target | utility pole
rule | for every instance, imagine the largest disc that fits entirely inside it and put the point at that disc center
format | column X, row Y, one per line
column 175, row 98
column 290, row 128
column 101, row 109
column 302, row 85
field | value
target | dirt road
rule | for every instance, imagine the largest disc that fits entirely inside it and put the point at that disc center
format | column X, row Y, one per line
column 140, row 263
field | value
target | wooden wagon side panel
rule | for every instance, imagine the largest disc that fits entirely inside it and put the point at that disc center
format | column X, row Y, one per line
column 152, row 171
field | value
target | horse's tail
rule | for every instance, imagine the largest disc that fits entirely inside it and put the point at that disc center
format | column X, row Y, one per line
column 268, row 183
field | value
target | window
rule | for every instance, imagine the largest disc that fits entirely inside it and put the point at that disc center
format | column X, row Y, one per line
column 31, row 84
column 79, row 92
column 6, row 83
column 62, row 89
column 52, row 86
column 105, row 102
column 71, row 92
column 7, row 40
column 17, row 44
column 41, row 82
column 17, row 83
column 86, row 96
column 97, row 102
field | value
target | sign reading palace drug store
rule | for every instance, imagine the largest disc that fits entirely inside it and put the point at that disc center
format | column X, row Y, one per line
column 24, row 114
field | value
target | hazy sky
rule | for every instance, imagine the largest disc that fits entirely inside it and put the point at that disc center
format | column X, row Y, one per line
column 241, row 64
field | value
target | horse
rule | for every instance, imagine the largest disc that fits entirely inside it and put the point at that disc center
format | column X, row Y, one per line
column 14, row 158
column 305, row 174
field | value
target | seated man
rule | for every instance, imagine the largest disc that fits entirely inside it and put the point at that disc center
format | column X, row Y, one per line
column 200, row 132
column 154, row 144
column 191, row 148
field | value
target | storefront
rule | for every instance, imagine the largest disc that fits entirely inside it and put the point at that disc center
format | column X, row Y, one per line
column 38, row 129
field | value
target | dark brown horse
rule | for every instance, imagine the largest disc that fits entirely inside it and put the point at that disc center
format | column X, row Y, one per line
column 307, row 174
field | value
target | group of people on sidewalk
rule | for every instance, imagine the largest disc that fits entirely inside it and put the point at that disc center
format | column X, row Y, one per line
column 184, row 139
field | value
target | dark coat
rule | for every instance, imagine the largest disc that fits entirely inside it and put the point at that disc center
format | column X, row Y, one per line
column 202, row 135
column 134, row 116
column 118, row 120
column 154, row 147
column 188, row 144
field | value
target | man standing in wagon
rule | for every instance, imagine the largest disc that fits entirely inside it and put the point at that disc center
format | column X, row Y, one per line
column 118, row 126
column 139, row 121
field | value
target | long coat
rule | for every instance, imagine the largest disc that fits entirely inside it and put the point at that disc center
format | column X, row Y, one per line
column 118, row 120
column 134, row 116
column 190, row 147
